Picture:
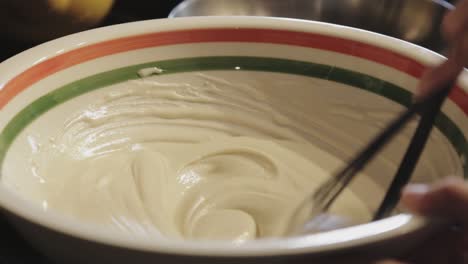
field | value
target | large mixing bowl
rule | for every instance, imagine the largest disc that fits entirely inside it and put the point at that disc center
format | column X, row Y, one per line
column 342, row 85
column 416, row 21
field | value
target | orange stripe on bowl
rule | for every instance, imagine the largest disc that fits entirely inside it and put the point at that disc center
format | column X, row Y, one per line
column 335, row 44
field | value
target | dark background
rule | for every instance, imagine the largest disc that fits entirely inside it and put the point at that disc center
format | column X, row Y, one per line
column 122, row 11
column 14, row 249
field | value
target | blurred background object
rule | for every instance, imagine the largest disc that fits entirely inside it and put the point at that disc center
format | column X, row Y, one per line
column 26, row 23
column 416, row 21
column 41, row 20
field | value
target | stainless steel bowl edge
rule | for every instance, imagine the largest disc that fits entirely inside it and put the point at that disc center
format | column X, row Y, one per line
column 416, row 21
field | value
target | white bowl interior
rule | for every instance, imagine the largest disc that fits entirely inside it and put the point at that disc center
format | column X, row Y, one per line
column 336, row 100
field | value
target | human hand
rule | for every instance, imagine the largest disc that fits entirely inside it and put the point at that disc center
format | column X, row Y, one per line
column 455, row 31
column 446, row 200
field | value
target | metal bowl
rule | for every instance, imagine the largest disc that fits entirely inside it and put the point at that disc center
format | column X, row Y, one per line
column 416, row 21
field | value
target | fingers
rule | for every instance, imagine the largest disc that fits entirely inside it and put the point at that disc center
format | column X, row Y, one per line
column 459, row 50
column 441, row 247
column 446, row 199
column 456, row 22
column 455, row 29
column 438, row 76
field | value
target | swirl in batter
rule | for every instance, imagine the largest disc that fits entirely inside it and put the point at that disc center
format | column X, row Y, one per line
column 212, row 161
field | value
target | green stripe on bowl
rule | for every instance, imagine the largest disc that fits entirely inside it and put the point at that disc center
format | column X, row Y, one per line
column 331, row 73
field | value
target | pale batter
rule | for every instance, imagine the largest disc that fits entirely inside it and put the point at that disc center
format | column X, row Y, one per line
column 214, row 161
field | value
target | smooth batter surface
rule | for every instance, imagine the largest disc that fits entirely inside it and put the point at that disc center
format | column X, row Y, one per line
column 212, row 161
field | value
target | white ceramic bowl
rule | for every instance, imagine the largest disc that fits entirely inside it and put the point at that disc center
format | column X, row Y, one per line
column 356, row 81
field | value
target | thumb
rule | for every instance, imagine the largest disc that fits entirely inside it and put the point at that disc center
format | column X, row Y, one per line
column 437, row 77
column 447, row 199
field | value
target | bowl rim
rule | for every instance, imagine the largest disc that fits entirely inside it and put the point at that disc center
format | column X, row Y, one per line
column 362, row 235
column 175, row 12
